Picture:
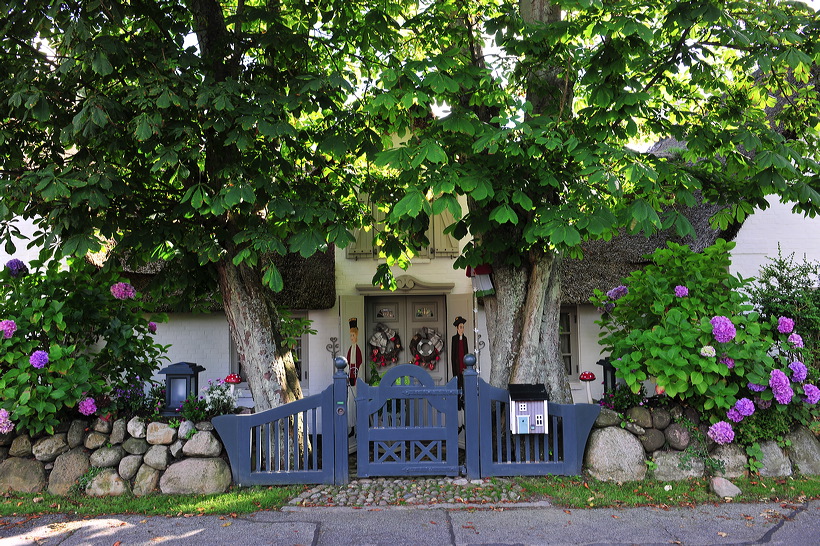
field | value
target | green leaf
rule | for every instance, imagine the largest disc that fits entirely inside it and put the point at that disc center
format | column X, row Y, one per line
column 100, row 63
column 273, row 278
column 503, row 214
column 334, row 145
column 566, row 235
column 306, row 242
column 164, row 99
column 144, row 129
column 409, row 205
column 340, row 236
column 483, row 190
column 522, row 199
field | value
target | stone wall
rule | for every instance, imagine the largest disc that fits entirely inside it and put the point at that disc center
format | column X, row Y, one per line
column 620, row 448
column 133, row 456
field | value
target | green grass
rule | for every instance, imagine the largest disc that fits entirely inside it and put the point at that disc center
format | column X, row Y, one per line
column 577, row 492
column 570, row 492
column 235, row 501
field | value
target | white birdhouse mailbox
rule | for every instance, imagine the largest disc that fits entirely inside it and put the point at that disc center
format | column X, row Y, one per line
column 528, row 409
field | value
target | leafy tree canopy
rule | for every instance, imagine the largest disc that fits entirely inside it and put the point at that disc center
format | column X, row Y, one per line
column 537, row 130
column 257, row 137
column 197, row 130
column 117, row 127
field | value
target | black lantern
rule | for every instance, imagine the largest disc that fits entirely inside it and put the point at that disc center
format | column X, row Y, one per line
column 181, row 381
column 609, row 374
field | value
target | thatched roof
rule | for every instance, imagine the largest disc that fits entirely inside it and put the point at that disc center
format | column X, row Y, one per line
column 310, row 283
column 605, row 263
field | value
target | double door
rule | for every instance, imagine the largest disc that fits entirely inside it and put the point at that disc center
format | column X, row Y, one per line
column 408, row 316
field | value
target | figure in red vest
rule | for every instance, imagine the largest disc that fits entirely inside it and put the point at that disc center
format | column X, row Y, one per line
column 354, row 353
column 458, row 349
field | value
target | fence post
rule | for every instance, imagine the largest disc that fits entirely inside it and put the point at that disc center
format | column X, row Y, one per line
column 340, row 470
column 576, row 434
column 471, row 418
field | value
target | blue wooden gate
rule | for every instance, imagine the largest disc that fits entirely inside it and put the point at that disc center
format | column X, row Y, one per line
column 407, row 426
column 301, row 442
column 493, row 451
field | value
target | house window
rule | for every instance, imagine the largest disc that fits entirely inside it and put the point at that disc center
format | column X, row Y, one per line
column 522, row 406
column 299, row 354
column 568, row 339
column 441, row 245
column 539, row 420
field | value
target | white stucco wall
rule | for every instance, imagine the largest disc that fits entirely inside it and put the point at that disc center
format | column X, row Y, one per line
column 26, row 228
column 201, row 339
column 761, row 233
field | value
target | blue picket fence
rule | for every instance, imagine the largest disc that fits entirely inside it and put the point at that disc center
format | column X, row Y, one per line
column 300, row 442
column 406, row 426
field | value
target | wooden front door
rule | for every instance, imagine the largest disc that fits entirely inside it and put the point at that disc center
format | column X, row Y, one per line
column 409, row 316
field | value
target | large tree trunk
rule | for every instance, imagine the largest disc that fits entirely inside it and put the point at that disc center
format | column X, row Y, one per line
column 522, row 324
column 523, row 315
column 254, row 324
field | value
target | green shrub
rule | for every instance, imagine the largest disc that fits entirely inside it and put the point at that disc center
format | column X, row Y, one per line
column 785, row 288
column 686, row 322
column 220, row 399
column 68, row 338
column 194, row 408
column 216, row 400
column 773, row 424
column 620, row 398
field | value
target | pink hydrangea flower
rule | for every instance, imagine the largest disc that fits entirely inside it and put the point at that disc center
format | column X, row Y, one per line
column 781, row 387
column 799, row 371
column 152, row 327
column 681, row 291
column 785, row 325
column 123, row 291
column 87, row 406
column 730, row 362
column 8, row 327
column 38, row 359
column 812, row 393
column 734, row 415
column 617, row 292
column 721, row 432
column 745, row 407
column 6, row 424
column 723, row 329
column 796, row 340
column 16, row 268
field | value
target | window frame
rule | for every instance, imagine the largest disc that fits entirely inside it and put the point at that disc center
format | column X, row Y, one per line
column 572, row 344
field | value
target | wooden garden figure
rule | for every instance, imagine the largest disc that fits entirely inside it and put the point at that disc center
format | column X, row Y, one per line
column 458, row 349
column 354, row 353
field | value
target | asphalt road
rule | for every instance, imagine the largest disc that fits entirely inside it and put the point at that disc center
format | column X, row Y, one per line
column 516, row 524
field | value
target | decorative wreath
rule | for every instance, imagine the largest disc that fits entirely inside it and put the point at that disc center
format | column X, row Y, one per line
column 426, row 347
column 385, row 345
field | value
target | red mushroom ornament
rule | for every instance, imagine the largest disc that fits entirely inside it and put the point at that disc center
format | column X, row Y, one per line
column 587, row 377
column 233, row 379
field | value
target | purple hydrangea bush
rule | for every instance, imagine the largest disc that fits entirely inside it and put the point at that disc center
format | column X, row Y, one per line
column 704, row 344
column 56, row 333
